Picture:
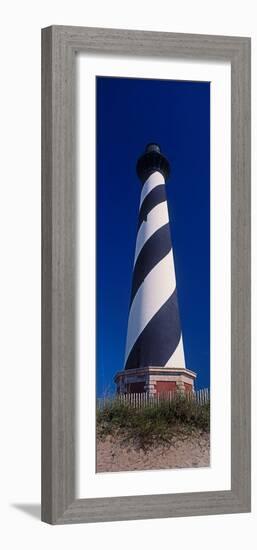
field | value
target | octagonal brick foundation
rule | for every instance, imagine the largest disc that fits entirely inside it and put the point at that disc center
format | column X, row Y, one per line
column 154, row 380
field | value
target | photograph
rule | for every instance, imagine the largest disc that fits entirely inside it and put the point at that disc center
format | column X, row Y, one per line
column 152, row 274
column 146, row 319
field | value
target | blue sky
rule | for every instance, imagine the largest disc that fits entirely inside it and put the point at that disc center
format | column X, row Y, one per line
column 176, row 115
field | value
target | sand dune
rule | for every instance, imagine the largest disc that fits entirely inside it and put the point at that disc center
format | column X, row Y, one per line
column 113, row 455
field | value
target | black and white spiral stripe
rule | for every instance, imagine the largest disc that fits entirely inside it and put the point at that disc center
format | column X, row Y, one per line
column 154, row 333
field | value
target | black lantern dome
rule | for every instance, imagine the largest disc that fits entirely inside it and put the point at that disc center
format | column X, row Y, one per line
column 152, row 161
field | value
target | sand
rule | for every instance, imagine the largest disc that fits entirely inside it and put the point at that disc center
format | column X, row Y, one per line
column 115, row 456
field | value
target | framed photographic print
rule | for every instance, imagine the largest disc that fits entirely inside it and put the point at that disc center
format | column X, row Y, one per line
column 145, row 275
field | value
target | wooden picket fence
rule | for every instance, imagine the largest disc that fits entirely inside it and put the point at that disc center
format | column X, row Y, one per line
column 141, row 400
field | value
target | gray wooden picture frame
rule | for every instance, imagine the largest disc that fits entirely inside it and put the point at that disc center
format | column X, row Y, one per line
column 59, row 47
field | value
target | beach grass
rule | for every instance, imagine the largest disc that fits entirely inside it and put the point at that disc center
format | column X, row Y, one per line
column 153, row 425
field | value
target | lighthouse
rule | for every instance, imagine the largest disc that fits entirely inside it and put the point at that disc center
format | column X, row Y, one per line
column 154, row 354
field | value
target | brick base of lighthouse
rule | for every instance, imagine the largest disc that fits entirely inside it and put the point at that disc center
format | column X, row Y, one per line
column 154, row 380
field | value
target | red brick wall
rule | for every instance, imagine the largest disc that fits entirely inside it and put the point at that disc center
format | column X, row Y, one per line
column 162, row 387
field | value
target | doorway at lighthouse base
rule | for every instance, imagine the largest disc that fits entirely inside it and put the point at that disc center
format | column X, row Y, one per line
column 155, row 380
